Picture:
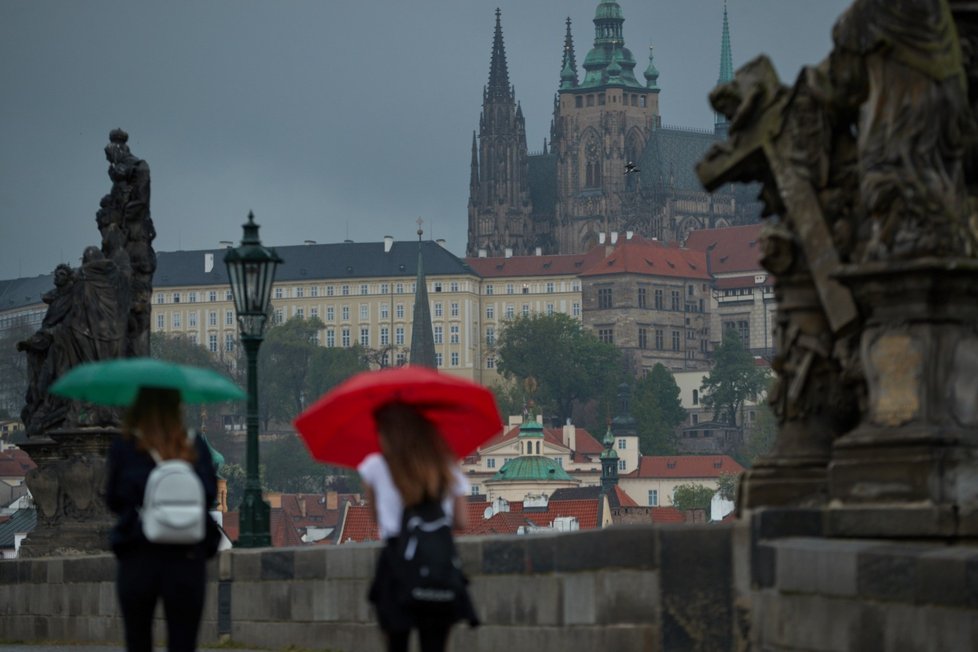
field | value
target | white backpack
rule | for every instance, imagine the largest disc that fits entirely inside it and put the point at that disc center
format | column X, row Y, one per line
column 173, row 503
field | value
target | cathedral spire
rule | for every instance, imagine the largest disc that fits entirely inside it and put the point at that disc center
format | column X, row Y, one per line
column 720, row 124
column 474, row 174
column 498, row 71
column 568, row 68
column 422, row 337
column 726, row 59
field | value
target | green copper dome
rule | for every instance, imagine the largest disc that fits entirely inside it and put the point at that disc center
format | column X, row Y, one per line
column 216, row 456
column 609, row 61
column 531, row 468
column 608, row 9
column 531, row 429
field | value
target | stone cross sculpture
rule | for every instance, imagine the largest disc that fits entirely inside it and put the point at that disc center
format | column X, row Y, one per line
column 98, row 311
column 866, row 165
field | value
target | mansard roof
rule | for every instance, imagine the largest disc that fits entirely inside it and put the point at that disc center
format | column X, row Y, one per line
column 671, row 155
column 22, row 292
column 636, row 255
column 736, row 249
column 336, row 261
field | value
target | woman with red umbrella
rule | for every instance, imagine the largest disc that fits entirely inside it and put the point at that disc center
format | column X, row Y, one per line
column 414, row 469
column 403, row 430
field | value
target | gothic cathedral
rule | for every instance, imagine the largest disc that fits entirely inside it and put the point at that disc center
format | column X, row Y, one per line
column 610, row 167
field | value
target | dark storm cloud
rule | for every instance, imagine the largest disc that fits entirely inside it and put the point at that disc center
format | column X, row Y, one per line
column 328, row 119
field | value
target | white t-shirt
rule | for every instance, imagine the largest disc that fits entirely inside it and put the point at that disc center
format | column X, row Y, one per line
column 375, row 473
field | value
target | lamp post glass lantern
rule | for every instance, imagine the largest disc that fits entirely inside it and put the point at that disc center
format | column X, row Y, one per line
column 251, row 271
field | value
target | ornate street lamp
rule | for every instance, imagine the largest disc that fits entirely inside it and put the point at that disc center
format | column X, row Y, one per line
column 251, row 270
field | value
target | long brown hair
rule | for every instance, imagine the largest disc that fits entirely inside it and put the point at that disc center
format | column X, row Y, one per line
column 155, row 421
column 418, row 457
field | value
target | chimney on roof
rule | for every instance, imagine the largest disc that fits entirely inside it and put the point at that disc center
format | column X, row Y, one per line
column 483, row 253
column 208, row 263
column 570, row 436
column 601, row 238
column 508, row 252
column 302, row 505
column 538, row 251
column 614, row 237
column 629, row 235
column 388, row 243
column 441, row 241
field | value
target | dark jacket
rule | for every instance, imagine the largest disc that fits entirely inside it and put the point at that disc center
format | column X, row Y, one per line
column 128, row 470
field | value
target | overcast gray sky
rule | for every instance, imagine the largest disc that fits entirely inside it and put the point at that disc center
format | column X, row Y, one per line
column 330, row 119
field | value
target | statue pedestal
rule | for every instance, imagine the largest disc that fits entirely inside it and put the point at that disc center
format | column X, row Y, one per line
column 68, row 487
column 910, row 468
column 811, row 407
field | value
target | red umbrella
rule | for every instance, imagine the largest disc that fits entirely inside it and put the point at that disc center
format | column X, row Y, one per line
column 339, row 428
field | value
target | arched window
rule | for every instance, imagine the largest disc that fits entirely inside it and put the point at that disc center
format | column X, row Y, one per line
column 592, row 163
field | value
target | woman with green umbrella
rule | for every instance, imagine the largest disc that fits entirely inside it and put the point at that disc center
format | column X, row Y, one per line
column 153, row 433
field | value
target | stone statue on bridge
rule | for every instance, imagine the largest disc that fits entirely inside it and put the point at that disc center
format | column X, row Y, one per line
column 866, row 164
column 98, row 311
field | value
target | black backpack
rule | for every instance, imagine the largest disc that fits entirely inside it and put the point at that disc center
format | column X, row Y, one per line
column 426, row 562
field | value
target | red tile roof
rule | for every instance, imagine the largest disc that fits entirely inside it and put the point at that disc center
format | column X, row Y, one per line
column 564, row 264
column 15, row 463
column 501, row 523
column 685, row 466
column 283, row 531
column 737, row 248
column 231, row 525
column 358, row 525
column 652, row 258
column 585, row 442
column 624, row 500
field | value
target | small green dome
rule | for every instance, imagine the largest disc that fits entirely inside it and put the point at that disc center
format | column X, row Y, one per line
column 216, row 456
column 533, row 468
column 531, row 429
column 608, row 9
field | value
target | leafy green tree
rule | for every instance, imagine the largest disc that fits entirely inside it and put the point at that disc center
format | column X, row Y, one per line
column 692, row 496
column 734, row 379
column 329, row 367
column 658, row 411
column 510, row 398
column 728, row 483
column 284, row 360
column 759, row 438
column 290, row 469
column 566, row 363
column 180, row 349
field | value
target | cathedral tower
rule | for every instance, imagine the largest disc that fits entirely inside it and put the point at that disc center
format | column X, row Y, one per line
column 499, row 192
column 602, row 122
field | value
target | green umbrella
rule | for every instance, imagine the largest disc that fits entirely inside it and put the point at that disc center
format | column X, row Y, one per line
column 116, row 382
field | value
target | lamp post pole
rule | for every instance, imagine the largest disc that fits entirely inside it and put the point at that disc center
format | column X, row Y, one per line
column 251, row 271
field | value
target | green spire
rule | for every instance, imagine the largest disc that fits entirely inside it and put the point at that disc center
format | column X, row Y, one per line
column 568, row 70
column 422, row 337
column 651, row 73
column 726, row 59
